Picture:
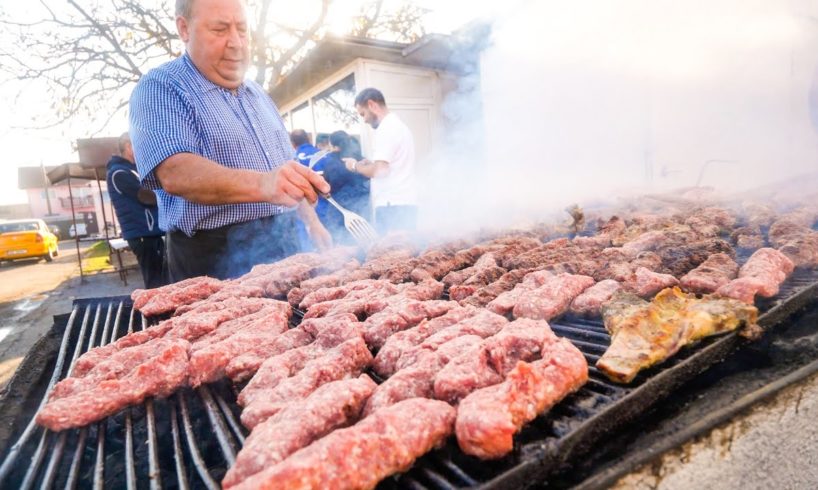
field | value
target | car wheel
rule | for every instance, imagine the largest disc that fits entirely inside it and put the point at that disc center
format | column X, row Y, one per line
column 50, row 255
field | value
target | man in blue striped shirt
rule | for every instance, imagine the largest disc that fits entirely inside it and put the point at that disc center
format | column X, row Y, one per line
column 216, row 151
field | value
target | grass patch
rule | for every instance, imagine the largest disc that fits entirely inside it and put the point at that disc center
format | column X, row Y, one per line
column 97, row 257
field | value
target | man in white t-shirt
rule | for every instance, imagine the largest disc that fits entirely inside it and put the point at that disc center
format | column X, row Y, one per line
column 391, row 168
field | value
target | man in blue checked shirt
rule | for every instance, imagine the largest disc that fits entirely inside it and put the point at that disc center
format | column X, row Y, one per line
column 216, row 151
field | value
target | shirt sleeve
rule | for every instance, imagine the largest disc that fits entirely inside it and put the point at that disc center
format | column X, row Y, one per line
column 162, row 124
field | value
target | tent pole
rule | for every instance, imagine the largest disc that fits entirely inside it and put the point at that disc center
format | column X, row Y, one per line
column 102, row 206
column 76, row 228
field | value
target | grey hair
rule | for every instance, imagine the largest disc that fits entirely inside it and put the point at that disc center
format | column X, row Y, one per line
column 184, row 8
column 124, row 139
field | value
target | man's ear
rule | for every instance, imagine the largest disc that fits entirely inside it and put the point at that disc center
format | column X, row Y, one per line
column 182, row 28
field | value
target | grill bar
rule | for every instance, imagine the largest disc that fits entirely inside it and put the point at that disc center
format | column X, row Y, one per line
column 231, row 420
column 56, row 454
column 454, row 469
column 28, row 480
column 130, row 470
column 74, row 471
column 154, row 473
column 102, row 427
column 226, row 443
column 198, row 461
column 99, row 469
column 178, row 458
column 8, row 464
column 39, row 455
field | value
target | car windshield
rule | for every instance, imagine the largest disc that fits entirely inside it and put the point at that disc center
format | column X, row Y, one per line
column 20, row 226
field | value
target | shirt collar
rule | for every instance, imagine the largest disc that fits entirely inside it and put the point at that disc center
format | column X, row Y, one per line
column 387, row 116
column 118, row 160
column 205, row 84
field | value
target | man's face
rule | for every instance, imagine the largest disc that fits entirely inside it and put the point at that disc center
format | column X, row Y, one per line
column 368, row 115
column 216, row 39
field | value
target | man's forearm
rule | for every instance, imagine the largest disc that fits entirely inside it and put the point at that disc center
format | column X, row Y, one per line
column 307, row 215
column 317, row 231
column 370, row 169
column 202, row 181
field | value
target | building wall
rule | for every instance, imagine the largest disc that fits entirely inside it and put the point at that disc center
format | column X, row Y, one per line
column 414, row 94
column 87, row 206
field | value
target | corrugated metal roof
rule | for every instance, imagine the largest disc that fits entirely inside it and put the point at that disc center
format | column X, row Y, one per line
column 458, row 53
column 95, row 152
column 75, row 171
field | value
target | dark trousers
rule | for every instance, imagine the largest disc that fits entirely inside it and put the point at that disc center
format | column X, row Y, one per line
column 392, row 218
column 150, row 254
column 231, row 251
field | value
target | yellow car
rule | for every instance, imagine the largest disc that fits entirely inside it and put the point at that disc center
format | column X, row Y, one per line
column 27, row 238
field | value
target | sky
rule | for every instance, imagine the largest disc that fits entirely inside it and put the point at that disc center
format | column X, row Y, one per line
column 24, row 144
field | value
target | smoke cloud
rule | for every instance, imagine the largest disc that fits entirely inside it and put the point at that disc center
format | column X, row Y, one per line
column 587, row 101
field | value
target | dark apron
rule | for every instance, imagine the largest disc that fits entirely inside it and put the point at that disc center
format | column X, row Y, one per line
column 232, row 250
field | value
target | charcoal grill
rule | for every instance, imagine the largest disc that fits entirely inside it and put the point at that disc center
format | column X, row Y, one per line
column 190, row 439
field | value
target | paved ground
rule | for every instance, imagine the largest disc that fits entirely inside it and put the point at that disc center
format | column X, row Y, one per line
column 774, row 441
column 33, row 291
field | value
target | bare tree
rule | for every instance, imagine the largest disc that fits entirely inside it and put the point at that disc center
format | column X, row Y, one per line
column 402, row 24
column 89, row 56
column 273, row 58
column 90, row 53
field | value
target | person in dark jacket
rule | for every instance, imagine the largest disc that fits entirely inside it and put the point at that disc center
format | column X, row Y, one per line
column 137, row 213
column 351, row 190
column 304, row 151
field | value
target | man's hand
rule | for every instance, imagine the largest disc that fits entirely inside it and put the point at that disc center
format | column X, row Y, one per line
column 367, row 168
column 292, row 182
column 146, row 197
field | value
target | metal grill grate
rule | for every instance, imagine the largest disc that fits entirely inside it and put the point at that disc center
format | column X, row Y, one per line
column 162, row 444
column 190, row 439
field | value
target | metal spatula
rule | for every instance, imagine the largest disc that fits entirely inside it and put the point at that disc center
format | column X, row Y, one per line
column 358, row 227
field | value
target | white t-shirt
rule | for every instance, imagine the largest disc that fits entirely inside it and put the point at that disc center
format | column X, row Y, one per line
column 394, row 144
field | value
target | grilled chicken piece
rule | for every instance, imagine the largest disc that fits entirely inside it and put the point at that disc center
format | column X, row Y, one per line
column 622, row 305
column 645, row 333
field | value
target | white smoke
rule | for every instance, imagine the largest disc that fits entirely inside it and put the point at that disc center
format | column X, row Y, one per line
column 588, row 100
